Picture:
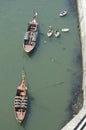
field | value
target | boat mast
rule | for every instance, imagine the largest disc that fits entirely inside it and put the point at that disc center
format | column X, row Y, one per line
column 23, row 75
column 34, row 14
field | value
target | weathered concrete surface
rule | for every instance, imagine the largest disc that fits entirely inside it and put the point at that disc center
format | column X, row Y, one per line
column 81, row 6
column 82, row 21
column 74, row 122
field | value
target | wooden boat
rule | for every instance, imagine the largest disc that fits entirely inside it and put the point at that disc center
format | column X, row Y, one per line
column 56, row 33
column 50, row 32
column 63, row 13
column 65, row 29
column 31, row 34
column 21, row 101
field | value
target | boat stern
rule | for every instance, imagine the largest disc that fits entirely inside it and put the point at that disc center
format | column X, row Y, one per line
column 28, row 48
column 20, row 116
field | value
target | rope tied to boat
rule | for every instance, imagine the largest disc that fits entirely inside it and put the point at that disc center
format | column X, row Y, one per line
column 23, row 76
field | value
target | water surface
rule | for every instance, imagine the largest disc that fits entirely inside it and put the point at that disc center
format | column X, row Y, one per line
column 52, row 70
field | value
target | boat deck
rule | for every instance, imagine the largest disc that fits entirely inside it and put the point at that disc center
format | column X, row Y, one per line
column 28, row 47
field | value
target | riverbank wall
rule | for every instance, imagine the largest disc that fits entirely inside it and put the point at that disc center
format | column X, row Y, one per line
column 79, row 121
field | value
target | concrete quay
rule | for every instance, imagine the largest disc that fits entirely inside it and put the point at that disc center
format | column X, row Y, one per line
column 79, row 121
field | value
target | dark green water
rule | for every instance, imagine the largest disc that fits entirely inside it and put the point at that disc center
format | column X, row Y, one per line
column 52, row 70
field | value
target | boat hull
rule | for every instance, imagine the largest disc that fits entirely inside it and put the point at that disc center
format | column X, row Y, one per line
column 50, row 33
column 57, row 34
column 21, row 102
column 65, row 30
column 30, row 37
column 63, row 13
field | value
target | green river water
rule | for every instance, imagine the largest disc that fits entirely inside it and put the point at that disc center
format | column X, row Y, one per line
column 52, row 71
